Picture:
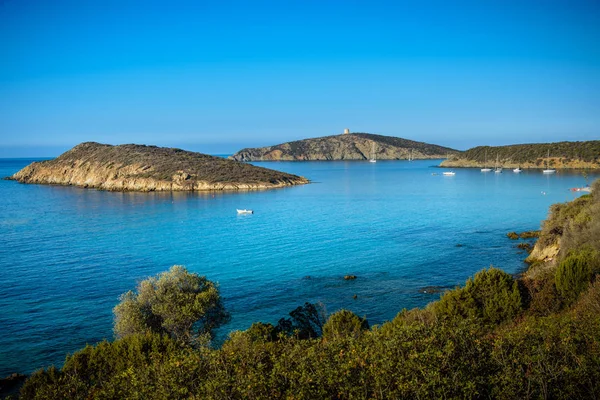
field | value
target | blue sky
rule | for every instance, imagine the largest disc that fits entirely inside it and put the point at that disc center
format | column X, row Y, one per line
column 216, row 76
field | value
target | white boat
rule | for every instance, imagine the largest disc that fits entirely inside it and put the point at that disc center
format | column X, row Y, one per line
column 497, row 169
column 373, row 156
column 244, row 211
column 449, row 173
column 485, row 169
column 517, row 170
column 410, row 156
column 548, row 170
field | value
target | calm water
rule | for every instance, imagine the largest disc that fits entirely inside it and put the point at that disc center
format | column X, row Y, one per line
column 66, row 254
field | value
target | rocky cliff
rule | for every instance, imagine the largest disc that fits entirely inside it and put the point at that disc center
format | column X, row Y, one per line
column 554, row 155
column 133, row 167
column 570, row 226
column 353, row 146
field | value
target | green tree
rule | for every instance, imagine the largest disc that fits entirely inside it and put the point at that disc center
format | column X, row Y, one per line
column 492, row 296
column 344, row 324
column 574, row 274
column 183, row 305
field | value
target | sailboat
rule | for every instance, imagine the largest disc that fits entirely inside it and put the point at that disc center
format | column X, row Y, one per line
column 497, row 169
column 410, row 156
column 373, row 156
column 548, row 170
column 517, row 170
column 485, row 169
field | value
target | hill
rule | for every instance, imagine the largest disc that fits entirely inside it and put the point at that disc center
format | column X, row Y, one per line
column 133, row 167
column 535, row 155
column 352, row 146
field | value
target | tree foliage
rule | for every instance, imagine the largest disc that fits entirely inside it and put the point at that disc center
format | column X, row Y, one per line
column 344, row 323
column 492, row 297
column 575, row 273
column 183, row 305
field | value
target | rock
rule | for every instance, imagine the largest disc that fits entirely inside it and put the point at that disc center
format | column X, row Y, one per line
column 11, row 384
column 432, row 289
column 350, row 277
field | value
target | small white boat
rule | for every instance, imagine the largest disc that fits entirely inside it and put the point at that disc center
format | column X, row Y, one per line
column 244, row 211
column 373, row 156
column 497, row 168
column 449, row 173
column 517, row 170
column 485, row 169
column 548, row 170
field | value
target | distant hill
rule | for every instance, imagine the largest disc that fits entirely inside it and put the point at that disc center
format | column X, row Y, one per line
column 133, row 167
column 562, row 155
column 352, row 146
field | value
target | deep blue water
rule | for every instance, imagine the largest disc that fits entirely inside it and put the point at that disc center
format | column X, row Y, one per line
column 66, row 254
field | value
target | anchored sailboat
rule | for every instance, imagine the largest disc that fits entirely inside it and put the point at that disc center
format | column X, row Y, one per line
column 373, row 156
column 485, row 169
column 497, row 169
column 548, row 170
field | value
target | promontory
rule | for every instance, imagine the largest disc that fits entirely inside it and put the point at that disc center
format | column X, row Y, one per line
column 132, row 167
column 535, row 155
column 349, row 146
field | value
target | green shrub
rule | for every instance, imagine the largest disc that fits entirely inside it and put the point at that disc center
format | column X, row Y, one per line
column 574, row 274
column 344, row 324
column 184, row 305
column 492, row 296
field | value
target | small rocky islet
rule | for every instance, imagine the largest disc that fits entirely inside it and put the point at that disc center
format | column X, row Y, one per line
column 133, row 167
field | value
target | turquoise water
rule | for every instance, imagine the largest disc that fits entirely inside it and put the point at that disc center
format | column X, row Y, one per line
column 66, row 254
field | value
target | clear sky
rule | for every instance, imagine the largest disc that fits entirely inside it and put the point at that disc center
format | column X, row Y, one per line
column 216, row 76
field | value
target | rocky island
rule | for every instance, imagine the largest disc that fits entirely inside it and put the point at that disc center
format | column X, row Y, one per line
column 348, row 146
column 133, row 167
column 537, row 155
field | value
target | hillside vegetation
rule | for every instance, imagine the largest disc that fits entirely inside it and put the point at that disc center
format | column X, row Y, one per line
column 353, row 146
column 149, row 168
column 498, row 337
column 562, row 155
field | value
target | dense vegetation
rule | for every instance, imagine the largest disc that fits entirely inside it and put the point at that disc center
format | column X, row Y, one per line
column 497, row 337
column 536, row 153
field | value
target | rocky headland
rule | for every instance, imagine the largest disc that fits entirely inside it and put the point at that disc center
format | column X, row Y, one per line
column 132, row 167
column 571, row 225
column 568, row 155
column 351, row 146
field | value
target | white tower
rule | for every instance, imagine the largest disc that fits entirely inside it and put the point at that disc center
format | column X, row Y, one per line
column 346, row 131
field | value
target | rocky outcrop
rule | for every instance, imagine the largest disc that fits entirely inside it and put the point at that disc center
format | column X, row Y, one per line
column 353, row 146
column 562, row 155
column 545, row 253
column 149, row 168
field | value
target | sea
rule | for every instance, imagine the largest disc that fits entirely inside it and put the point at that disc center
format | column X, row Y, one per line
column 402, row 228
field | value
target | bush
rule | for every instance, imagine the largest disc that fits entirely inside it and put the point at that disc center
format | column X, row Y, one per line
column 183, row 305
column 574, row 274
column 344, row 324
column 306, row 322
column 492, row 296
